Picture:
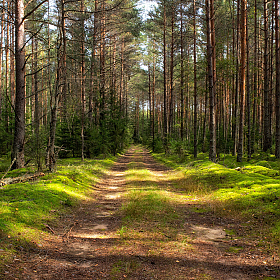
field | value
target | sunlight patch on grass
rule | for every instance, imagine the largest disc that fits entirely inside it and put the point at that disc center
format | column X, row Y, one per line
column 25, row 208
column 148, row 205
column 247, row 190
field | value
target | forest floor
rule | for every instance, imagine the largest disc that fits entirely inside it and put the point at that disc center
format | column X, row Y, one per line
column 139, row 226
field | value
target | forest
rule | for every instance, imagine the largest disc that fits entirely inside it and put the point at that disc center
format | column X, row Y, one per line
column 139, row 139
column 83, row 78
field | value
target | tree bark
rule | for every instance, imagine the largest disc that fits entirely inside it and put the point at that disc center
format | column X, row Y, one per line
column 211, row 78
column 171, row 104
column 266, row 113
column 242, row 79
column 164, row 81
column 82, row 82
column 182, row 72
column 195, row 84
column 60, row 87
column 19, row 134
column 277, row 87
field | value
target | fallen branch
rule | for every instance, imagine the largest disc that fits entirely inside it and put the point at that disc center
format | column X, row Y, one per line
column 21, row 179
column 67, row 233
column 49, row 228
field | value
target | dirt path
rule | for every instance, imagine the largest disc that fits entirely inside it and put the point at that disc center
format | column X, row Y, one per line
column 90, row 243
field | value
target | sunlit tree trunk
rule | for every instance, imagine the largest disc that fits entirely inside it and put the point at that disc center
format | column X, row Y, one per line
column 19, row 133
column 182, row 72
column 153, row 97
column 255, row 79
column 82, row 81
column 171, row 104
column 164, row 80
column 242, row 80
column 102, row 73
column 211, row 77
column 195, row 83
column 1, row 56
column 277, row 86
column 237, row 83
column 60, row 87
column 37, row 106
column 248, row 97
column 266, row 113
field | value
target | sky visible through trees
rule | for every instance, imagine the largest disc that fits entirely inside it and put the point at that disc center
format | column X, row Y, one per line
column 84, row 78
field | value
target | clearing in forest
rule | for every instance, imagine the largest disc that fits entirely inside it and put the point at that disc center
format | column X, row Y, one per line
column 141, row 225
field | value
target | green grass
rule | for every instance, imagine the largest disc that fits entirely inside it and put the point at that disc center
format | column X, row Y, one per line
column 248, row 190
column 234, row 249
column 149, row 205
column 25, row 208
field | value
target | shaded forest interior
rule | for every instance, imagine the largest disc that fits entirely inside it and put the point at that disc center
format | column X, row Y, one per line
column 83, row 78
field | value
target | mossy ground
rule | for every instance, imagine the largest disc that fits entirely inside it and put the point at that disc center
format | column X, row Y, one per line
column 141, row 220
column 26, row 208
column 249, row 190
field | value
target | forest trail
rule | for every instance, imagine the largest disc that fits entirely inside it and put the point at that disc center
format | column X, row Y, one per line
column 98, row 241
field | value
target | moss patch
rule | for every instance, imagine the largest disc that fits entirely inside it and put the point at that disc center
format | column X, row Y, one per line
column 26, row 208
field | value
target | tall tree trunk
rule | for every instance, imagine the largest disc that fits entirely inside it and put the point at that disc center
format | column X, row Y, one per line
column 153, row 97
column 82, row 82
column 182, row 71
column 195, row 83
column 149, row 116
column 102, row 74
column 205, row 116
column 164, row 81
column 1, row 59
column 122, row 75
column 211, row 78
column 93, row 96
column 266, row 113
column 171, row 104
column 37, row 109
column 19, row 134
column 242, row 79
column 248, row 97
column 277, row 87
column 235, row 106
column 255, row 89
column 60, row 87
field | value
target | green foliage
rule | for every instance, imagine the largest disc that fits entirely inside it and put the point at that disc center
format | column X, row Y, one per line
column 5, row 162
column 36, row 147
column 6, row 138
column 68, row 138
column 110, row 136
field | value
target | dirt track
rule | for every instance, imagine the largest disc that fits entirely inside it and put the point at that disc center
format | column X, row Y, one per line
column 86, row 244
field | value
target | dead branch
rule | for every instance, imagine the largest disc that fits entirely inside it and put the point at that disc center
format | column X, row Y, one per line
column 21, row 179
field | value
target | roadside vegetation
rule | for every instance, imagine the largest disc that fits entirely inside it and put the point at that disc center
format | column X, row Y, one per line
column 249, row 191
column 29, row 210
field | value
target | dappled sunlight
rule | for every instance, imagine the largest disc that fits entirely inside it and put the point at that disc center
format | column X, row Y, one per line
column 146, row 221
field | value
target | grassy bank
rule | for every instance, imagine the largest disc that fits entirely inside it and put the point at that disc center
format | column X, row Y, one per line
column 28, row 209
column 249, row 191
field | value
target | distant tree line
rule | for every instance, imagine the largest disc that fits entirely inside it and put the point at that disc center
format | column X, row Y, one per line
column 83, row 78
column 213, row 77
column 64, row 67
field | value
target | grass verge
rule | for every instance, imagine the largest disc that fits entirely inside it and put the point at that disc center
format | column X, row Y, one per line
column 26, row 208
column 249, row 191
